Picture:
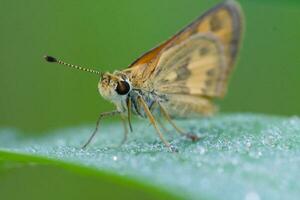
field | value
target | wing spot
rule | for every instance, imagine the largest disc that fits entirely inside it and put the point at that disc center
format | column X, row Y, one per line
column 215, row 23
column 208, row 83
column 203, row 51
column 183, row 72
column 210, row 72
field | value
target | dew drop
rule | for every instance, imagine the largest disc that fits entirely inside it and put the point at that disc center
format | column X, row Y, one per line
column 252, row 196
column 201, row 150
column 259, row 154
column 248, row 144
column 115, row 158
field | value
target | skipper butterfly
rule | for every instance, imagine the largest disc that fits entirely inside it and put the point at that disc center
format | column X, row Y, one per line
column 180, row 77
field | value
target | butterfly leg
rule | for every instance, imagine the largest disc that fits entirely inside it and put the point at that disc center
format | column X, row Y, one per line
column 155, row 106
column 102, row 115
column 193, row 137
column 153, row 122
column 125, row 130
column 129, row 112
column 160, row 123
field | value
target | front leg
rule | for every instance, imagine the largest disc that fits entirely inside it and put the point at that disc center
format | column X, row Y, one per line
column 128, row 104
column 125, row 130
column 152, row 121
column 102, row 115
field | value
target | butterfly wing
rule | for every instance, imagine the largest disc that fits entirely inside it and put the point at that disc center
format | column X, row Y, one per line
column 193, row 66
column 224, row 21
column 190, row 74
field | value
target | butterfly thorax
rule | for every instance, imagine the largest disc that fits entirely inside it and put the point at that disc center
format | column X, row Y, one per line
column 118, row 89
column 151, row 98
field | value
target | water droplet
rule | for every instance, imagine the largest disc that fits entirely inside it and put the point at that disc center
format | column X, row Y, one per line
column 252, row 196
column 201, row 150
column 259, row 154
column 248, row 144
column 115, row 158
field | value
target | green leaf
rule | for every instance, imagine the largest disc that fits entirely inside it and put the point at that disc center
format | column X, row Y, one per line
column 239, row 157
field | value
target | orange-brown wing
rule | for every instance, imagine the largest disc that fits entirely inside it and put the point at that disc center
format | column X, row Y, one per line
column 223, row 21
column 196, row 66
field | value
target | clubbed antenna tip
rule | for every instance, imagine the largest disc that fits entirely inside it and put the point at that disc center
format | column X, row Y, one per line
column 50, row 59
column 54, row 60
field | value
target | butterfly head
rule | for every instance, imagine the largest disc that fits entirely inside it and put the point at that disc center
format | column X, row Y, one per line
column 114, row 86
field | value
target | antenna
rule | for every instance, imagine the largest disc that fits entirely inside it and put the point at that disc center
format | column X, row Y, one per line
column 52, row 59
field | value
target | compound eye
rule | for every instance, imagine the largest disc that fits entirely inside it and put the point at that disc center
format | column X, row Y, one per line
column 123, row 87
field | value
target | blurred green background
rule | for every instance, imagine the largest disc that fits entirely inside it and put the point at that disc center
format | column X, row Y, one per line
column 37, row 96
